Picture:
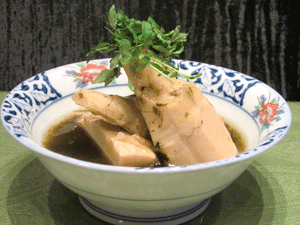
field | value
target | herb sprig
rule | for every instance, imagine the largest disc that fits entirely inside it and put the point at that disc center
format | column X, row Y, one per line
column 140, row 43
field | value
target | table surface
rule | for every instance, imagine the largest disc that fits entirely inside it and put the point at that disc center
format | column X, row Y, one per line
column 268, row 192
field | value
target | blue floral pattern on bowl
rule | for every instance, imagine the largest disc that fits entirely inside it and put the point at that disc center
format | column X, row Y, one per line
column 220, row 81
column 25, row 102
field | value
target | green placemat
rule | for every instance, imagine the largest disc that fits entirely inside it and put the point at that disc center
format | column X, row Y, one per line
column 268, row 192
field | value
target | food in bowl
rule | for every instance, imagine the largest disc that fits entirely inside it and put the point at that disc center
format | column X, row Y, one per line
column 145, row 195
column 68, row 137
column 182, row 124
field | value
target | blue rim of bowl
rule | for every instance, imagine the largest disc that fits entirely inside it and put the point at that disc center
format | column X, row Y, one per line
column 172, row 169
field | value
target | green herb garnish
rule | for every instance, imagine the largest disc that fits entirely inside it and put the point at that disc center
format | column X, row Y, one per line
column 143, row 41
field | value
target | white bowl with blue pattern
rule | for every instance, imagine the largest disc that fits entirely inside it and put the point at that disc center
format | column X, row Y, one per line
column 131, row 195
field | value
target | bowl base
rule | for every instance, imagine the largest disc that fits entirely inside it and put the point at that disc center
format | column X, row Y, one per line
column 165, row 217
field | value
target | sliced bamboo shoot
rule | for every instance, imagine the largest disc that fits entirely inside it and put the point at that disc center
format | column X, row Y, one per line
column 180, row 119
column 120, row 147
column 115, row 109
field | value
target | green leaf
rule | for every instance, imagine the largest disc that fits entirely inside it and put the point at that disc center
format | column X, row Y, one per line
column 113, row 81
column 140, row 40
column 182, row 37
column 107, row 76
column 102, row 47
column 137, row 53
column 112, row 17
column 103, row 76
column 153, row 23
column 126, row 60
column 146, row 29
column 133, row 66
column 177, row 36
column 115, row 60
column 174, row 74
column 116, row 73
column 125, row 50
column 141, row 67
column 89, row 56
column 161, row 49
column 130, row 86
column 146, row 59
column 124, row 43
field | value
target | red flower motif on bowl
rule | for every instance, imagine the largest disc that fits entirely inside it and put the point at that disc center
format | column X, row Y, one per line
column 268, row 112
column 90, row 72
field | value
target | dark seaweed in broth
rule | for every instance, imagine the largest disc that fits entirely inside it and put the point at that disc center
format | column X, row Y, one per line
column 69, row 139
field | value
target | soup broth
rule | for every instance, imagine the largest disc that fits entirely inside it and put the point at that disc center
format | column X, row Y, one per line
column 69, row 139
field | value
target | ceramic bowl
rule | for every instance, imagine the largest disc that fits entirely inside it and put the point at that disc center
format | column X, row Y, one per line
column 132, row 195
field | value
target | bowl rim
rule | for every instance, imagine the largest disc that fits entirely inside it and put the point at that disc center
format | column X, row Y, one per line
column 39, row 150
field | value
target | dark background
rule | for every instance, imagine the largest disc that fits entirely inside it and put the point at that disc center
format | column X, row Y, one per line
column 259, row 38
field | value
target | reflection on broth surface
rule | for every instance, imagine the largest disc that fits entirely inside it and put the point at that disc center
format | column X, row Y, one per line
column 69, row 139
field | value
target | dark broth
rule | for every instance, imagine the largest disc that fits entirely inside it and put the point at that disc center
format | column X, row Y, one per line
column 71, row 140
column 237, row 137
column 68, row 139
